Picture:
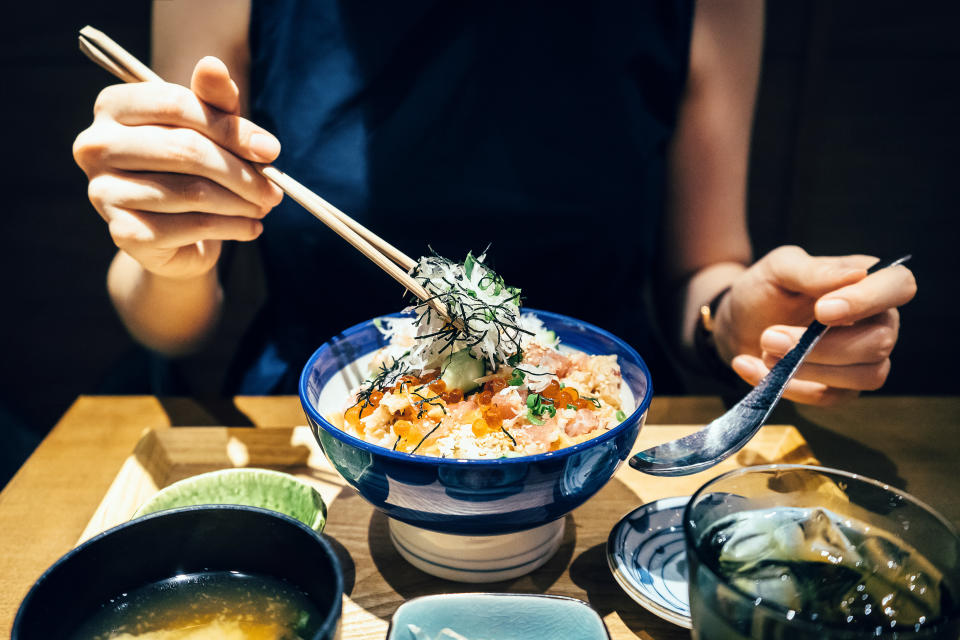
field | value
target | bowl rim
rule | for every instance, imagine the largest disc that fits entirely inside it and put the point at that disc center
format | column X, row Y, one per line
column 345, row 437
column 330, row 621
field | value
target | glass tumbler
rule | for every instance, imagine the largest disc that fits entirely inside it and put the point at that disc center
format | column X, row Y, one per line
column 797, row 551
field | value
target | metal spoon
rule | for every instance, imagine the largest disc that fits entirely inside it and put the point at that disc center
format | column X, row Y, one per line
column 730, row 432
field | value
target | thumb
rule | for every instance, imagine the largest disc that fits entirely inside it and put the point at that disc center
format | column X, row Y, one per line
column 795, row 270
column 211, row 83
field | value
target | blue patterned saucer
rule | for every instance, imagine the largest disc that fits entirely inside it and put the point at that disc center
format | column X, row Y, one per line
column 648, row 558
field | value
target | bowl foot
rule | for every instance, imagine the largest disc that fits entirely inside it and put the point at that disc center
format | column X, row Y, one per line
column 476, row 558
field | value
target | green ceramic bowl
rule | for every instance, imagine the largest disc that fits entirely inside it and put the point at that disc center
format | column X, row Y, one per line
column 250, row 487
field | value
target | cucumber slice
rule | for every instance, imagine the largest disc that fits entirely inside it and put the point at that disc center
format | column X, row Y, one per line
column 460, row 370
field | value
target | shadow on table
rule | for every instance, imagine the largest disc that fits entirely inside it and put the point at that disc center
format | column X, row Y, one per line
column 839, row 451
column 410, row 582
column 589, row 572
column 203, row 412
column 346, row 564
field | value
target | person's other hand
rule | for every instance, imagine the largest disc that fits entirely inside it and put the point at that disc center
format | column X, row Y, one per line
column 167, row 171
column 770, row 304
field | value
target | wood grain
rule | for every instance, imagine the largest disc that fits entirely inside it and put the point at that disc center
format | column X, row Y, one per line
column 909, row 442
column 378, row 579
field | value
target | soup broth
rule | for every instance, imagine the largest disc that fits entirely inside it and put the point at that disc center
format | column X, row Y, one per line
column 225, row 605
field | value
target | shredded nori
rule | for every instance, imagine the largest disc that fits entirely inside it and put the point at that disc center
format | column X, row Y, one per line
column 429, row 433
column 469, row 316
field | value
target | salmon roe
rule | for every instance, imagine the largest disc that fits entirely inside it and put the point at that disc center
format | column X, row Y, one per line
column 563, row 397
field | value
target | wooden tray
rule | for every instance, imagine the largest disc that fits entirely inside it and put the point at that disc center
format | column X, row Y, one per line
column 377, row 579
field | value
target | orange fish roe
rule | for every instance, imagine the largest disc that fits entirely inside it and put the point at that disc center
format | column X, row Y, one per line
column 564, row 396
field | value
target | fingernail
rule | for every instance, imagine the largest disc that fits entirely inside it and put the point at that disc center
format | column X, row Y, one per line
column 264, row 145
column 833, row 309
column 745, row 367
column 776, row 342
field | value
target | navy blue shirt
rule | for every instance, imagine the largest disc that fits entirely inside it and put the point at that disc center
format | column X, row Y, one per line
column 540, row 128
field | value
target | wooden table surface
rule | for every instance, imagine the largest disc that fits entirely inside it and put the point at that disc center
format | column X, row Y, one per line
column 909, row 442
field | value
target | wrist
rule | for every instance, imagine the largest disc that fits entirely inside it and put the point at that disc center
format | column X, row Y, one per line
column 725, row 340
column 707, row 349
column 162, row 278
column 170, row 315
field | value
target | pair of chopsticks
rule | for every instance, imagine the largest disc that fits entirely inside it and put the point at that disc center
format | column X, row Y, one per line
column 108, row 54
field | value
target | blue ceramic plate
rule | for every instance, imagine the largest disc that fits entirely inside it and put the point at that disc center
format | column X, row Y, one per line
column 504, row 616
column 647, row 555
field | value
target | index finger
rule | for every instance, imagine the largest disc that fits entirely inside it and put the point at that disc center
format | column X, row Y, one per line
column 163, row 103
column 885, row 289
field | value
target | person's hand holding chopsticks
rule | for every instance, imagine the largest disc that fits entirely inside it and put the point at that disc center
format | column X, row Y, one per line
column 168, row 174
column 165, row 173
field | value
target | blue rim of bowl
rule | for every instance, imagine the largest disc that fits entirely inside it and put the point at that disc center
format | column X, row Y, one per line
column 343, row 436
column 805, row 624
column 457, row 596
column 330, row 620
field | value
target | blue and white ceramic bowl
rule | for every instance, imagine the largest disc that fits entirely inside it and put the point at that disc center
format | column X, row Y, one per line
column 522, row 498
column 648, row 558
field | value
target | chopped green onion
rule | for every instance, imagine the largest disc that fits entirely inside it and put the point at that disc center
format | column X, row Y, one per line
column 570, row 406
column 532, row 399
column 621, row 416
column 468, row 264
column 533, row 419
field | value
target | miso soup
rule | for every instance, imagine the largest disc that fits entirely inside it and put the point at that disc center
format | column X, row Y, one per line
column 225, row 605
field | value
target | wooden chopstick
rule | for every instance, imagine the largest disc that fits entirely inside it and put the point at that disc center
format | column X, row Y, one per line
column 100, row 48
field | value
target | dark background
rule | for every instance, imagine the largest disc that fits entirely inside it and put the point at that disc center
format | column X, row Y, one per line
column 854, row 150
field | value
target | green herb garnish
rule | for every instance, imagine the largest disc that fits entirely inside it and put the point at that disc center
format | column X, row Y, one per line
column 533, row 419
column 516, row 379
column 537, row 405
column 468, row 264
column 621, row 416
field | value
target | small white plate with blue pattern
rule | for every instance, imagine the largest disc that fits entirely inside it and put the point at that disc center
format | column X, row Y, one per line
column 647, row 555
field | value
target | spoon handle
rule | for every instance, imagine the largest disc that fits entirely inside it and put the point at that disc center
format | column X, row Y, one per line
column 730, row 432
column 769, row 390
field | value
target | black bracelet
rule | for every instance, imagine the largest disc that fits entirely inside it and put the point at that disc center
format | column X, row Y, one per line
column 705, row 346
